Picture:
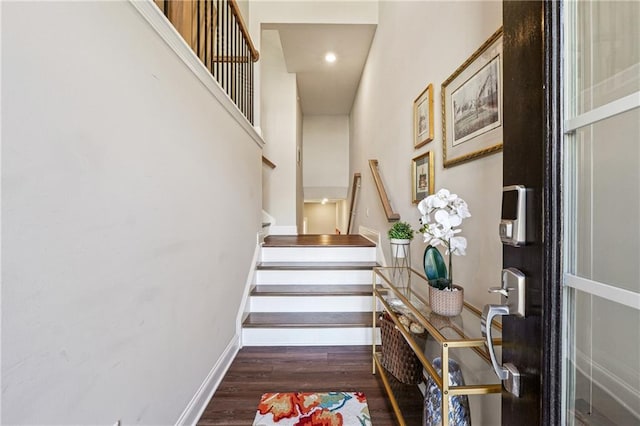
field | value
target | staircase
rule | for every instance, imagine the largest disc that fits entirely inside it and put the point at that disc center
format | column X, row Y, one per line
column 312, row 290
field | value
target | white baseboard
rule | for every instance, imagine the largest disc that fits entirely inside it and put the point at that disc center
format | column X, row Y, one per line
column 370, row 234
column 243, row 310
column 198, row 403
column 375, row 237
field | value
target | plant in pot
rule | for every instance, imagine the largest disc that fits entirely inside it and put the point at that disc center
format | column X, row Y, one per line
column 400, row 236
column 441, row 214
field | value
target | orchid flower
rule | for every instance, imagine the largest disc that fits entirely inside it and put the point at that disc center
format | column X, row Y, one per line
column 441, row 213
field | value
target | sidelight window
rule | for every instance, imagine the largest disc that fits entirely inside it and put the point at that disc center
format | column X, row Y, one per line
column 602, row 213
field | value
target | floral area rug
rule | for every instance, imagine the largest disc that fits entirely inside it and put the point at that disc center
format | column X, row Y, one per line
column 317, row 409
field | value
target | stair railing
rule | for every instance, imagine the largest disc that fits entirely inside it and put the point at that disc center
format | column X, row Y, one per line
column 355, row 188
column 219, row 36
column 386, row 205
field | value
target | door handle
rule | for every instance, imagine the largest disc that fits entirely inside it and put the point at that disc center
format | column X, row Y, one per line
column 508, row 372
column 488, row 314
column 512, row 291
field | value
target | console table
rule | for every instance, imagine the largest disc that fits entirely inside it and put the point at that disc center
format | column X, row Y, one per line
column 456, row 338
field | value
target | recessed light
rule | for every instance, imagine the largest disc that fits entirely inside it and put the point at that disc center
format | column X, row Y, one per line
column 325, row 200
column 330, row 57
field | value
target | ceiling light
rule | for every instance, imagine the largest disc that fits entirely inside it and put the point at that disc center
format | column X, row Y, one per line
column 330, row 57
column 325, row 200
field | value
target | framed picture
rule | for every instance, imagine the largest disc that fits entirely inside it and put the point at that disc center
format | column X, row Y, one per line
column 472, row 105
column 423, row 117
column 422, row 176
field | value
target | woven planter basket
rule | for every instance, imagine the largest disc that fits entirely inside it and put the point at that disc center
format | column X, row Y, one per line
column 397, row 356
column 446, row 303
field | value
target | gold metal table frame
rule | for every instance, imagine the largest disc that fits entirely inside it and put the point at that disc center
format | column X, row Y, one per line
column 450, row 333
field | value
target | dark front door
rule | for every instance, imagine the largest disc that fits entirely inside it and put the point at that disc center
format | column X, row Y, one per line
column 571, row 135
column 530, row 95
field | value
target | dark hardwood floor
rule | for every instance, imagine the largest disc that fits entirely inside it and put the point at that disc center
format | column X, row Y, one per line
column 257, row 370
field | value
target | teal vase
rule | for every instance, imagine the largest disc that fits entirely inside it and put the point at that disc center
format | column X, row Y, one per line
column 434, row 268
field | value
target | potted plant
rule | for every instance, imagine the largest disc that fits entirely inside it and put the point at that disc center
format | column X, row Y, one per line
column 441, row 214
column 400, row 236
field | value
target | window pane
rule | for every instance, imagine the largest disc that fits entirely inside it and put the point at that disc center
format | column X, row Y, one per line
column 607, row 201
column 602, row 194
column 607, row 52
column 603, row 362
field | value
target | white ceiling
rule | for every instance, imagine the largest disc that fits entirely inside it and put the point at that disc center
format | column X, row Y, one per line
column 326, row 89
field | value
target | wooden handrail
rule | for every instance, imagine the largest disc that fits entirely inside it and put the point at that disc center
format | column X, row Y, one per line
column 243, row 27
column 386, row 205
column 354, row 190
column 268, row 162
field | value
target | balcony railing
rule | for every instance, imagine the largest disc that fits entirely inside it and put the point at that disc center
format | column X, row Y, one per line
column 219, row 36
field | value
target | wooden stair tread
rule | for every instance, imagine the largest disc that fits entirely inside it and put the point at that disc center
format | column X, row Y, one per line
column 315, row 266
column 313, row 290
column 308, row 319
column 327, row 240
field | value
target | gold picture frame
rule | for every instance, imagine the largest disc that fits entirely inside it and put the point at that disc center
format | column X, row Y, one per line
column 423, row 117
column 472, row 105
column 422, row 173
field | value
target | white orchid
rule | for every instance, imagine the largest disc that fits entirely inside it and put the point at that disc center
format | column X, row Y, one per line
column 441, row 213
column 458, row 245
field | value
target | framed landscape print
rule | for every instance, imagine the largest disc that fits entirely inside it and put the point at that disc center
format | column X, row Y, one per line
column 472, row 105
column 422, row 177
column 423, row 117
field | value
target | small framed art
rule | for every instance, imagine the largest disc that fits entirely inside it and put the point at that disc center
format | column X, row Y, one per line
column 422, row 176
column 423, row 117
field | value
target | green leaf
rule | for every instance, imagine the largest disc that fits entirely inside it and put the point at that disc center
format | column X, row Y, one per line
column 434, row 266
column 400, row 231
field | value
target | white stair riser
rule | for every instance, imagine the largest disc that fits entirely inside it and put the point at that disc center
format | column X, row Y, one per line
column 308, row 336
column 304, row 277
column 318, row 254
column 311, row 303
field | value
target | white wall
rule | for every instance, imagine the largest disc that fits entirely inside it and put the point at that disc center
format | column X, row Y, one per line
column 321, row 218
column 243, row 5
column 326, row 156
column 404, row 58
column 302, row 12
column 279, row 122
column 273, row 91
column 342, row 215
column 418, row 43
column 120, row 176
column 299, row 165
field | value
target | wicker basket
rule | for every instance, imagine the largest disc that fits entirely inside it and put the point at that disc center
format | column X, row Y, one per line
column 397, row 356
